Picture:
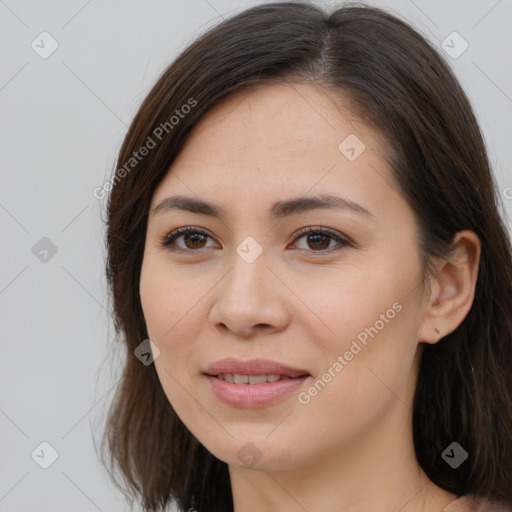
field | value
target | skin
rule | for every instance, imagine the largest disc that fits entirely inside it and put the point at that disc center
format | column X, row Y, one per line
column 300, row 302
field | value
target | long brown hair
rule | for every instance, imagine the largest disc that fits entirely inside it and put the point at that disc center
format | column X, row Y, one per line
column 399, row 84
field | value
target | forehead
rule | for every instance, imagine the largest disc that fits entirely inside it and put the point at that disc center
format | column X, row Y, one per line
column 281, row 119
column 280, row 140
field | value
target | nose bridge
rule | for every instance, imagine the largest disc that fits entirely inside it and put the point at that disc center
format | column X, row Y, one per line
column 248, row 270
column 249, row 295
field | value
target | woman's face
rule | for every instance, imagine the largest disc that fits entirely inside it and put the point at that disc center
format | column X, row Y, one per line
column 341, row 304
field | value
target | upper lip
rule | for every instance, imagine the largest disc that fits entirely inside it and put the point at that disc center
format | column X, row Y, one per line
column 253, row 367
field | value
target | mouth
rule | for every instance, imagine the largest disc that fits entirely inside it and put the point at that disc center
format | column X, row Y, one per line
column 237, row 378
column 253, row 371
column 253, row 383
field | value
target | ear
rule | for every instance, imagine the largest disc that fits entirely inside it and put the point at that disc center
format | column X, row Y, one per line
column 453, row 288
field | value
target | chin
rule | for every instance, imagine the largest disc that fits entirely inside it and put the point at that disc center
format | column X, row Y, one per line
column 252, row 453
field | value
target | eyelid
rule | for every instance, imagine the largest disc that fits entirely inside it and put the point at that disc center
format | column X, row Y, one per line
column 323, row 230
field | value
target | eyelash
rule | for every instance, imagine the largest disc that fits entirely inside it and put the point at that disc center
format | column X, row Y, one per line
column 169, row 239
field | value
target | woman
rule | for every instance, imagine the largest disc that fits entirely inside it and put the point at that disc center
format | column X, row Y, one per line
column 304, row 223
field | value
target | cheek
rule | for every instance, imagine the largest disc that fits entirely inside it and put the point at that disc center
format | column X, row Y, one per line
column 163, row 298
column 166, row 321
column 151, row 291
column 349, row 303
column 360, row 382
column 370, row 334
column 171, row 307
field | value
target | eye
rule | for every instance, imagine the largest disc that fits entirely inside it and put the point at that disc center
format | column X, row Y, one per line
column 193, row 238
column 320, row 239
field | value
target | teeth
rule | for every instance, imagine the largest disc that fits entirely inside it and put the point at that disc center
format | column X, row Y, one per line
column 240, row 379
column 236, row 378
column 257, row 379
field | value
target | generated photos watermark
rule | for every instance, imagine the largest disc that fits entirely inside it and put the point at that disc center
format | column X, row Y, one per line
column 305, row 397
column 158, row 133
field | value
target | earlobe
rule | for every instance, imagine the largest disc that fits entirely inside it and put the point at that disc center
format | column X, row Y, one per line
column 455, row 283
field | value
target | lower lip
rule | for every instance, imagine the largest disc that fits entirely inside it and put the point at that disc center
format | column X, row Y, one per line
column 253, row 395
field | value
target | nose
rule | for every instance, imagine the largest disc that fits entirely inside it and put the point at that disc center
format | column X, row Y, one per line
column 251, row 299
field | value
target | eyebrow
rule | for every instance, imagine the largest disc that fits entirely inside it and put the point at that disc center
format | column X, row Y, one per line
column 278, row 210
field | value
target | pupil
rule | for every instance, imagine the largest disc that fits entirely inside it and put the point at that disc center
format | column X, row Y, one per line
column 317, row 242
column 195, row 236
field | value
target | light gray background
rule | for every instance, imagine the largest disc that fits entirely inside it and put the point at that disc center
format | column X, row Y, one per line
column 62, row 121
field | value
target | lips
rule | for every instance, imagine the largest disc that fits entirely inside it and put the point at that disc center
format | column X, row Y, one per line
column 254, row 383
column 254, row 367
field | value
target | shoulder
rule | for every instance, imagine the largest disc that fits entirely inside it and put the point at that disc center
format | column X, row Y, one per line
column 470, row 503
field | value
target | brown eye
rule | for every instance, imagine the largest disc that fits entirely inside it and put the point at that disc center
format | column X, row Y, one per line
column 319, row 240
column 193, row 239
